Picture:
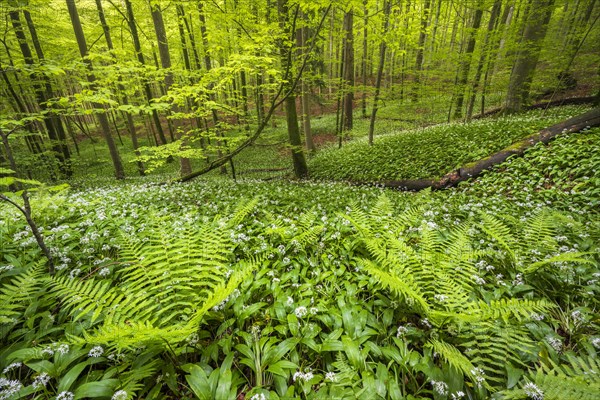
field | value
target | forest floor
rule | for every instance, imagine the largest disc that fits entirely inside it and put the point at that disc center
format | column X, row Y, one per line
column 282, row 289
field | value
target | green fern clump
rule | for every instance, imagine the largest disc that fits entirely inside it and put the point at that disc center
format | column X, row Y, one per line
column 161, row 288
column 437, row 275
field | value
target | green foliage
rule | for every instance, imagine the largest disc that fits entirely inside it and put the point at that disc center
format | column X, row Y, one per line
column 429, row 152
column 335, row 292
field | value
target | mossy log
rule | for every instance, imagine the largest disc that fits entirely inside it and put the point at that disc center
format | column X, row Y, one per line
column 474, row 169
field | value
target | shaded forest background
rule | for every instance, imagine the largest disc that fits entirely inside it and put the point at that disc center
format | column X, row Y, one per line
column 199, row 81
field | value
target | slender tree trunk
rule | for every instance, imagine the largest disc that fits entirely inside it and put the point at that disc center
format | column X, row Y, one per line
column 466, row 64
column 349, row 70
column 51, row 121
column 364, row 59
column 534, row 32
column 124, row 99
column 102, row 117
column 165, row 60
column 140, row 56
column 420, row 49
column 484, row 55
column 298, row 159
column 382, row 51
column 208, row 66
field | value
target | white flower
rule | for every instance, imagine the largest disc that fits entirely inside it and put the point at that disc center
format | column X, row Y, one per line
column 63, row 349
column 533, row 391
column 290, row 301
column 12, row 366
column 258, row 396
column 65, row 396
column 47, row 351
column 313, row 310
column 41, row 380
column 303, row 376
column 330, row 376
column 458, row 395
column 300, row 311
column 104, row 272
column 440, row 298
column 401, row 331
column 119, row 395
column 596, row 342
column 9, row 388
column 555, row 343
column 440, row 387
column 74, row 273
column 478, row 376
column 96, row 351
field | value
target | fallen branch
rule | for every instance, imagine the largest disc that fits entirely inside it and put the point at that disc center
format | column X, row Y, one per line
column 474, row 169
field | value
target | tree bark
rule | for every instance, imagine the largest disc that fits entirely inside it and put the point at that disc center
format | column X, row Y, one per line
column 466, row 64
column 140, row 56
column 534, row 32
column 102, row 118
column 421, row 49
column 165, row 60
column 51, row 121
column 298, row 159
column 382, row 51
column 348, row 71
column 484, row 56
column 124, row 99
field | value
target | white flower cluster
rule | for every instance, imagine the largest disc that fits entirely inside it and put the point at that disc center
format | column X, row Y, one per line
column 65, row 396
column 478, row 376
column 41, row 380
column 458, row 395
column 258, row 396
column 330, row 376
column 402, row 330
column 119, row 395
column 300, row 311
column 555, row 343
column 8, row 388
column 596, row 342
column 440, row 387
column 11, row 367
column 96, row 351
column 533, row 391
column 303, row 376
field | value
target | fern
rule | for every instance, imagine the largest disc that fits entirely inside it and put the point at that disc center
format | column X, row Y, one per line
column 577, row 379
column 164, row 286
column 434, row 272
column 22, row 290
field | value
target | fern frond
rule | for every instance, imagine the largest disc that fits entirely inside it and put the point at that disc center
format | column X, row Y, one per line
column 22, row 289
column 400, row 287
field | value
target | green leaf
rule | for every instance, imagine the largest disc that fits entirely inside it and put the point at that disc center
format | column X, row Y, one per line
column 104, row 388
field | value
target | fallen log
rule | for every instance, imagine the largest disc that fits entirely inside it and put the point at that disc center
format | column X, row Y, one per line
column 474, row 169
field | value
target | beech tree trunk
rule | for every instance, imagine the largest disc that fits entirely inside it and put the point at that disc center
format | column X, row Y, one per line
column 165, row 60
column 102, row 118
column 382, row 51
column 52, row 122
column 140, row 56
column 534, row 32
column 298, row 159
column 421, row 49
column 347, row 120
column 124, row 99
column 466, row 63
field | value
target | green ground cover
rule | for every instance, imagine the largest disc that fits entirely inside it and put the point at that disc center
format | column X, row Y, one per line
column 308, row 290
column 430, row 152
